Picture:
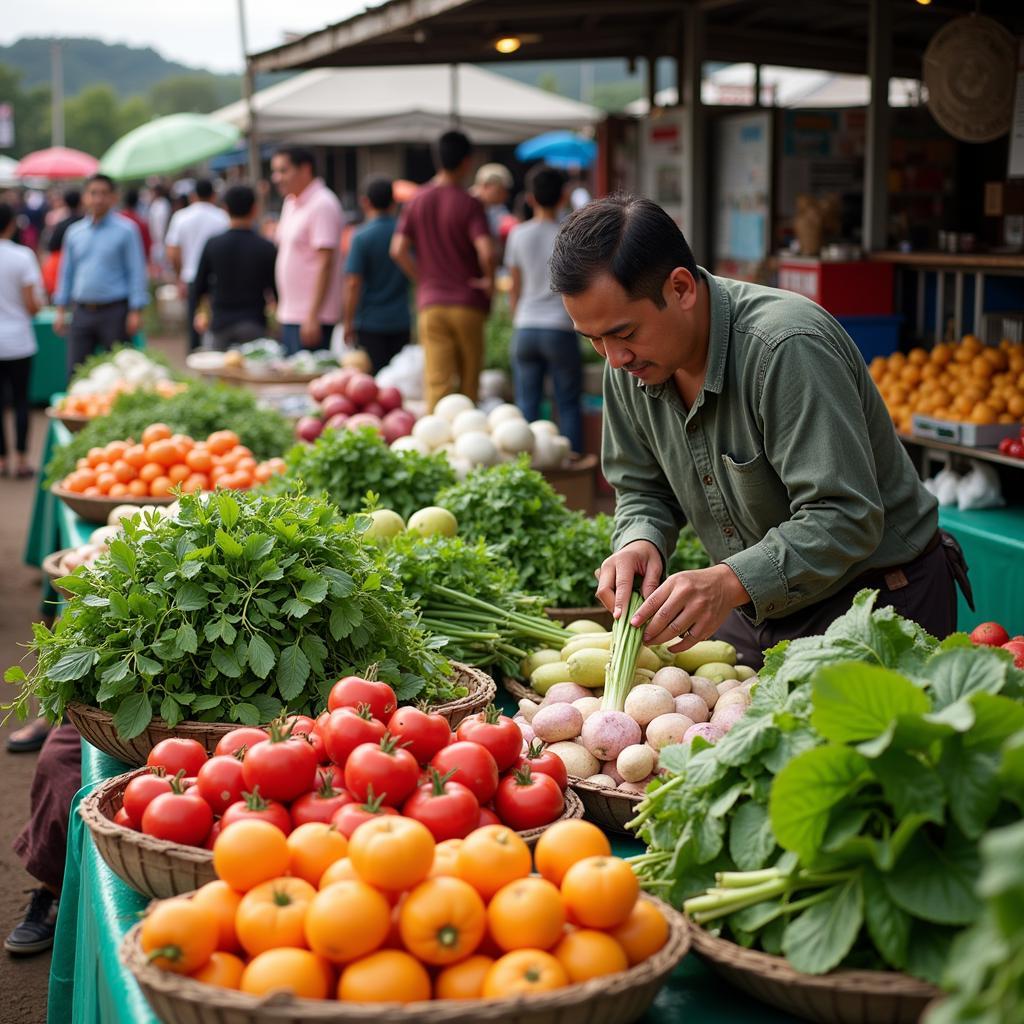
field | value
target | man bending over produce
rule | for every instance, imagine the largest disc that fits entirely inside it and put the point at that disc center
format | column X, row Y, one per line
column 749, row 413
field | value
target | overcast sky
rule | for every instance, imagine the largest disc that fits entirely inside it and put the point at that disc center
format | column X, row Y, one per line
column 200, row 33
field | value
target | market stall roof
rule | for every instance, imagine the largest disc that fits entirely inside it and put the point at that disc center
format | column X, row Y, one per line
column 364, row 106
column 827, row 34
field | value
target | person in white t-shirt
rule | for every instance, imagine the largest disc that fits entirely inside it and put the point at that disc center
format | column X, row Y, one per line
column 188, row 232
column 21, row 286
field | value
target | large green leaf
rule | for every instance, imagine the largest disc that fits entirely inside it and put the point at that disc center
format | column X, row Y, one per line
column 261, row 656
column 292, row 671
column 887, row 924
column 819, row 938
column 959, row 672
column 910, row 785
column 133, row 714
column 73, row 665
column 751, row 840
column 971, row 778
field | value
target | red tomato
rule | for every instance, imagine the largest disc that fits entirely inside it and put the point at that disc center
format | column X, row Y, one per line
column 282, row 768
column 495, row 731
column 352, row 691
column 422, row 734
column 321, row 721
column 299, row 725
column 218, row 827
column 121, row 818
column 525, row 800
column 348, row 728
column 140, row 792
column 541, row 760
column 384, row 768
column 240, row 739
column 221, row 782
column 474, row 768
column 175, row 755
column 348, row 818
column 252, row 805
column 178, row 817
column 322, row 804
column 447, row 808
column 487, row 817
column 316, row 741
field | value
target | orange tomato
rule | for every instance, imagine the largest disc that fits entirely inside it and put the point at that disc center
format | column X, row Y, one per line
column 185, row 936
column 199, row 460
column 221, row 441
column 166, row 453
column 246, row 464
column 388, row 976
column 339, row 871
column 445, row 854
column 313, row 848
column 600, row 892
column 160, row 487
column 586, row 953
column 135, row 455
column 491, row 857
column 261, row 474
column 392, row 853
column 235, row 481
column 124, row 472
column 150, row 471
column 138, row 489
column 196, row 482
column 523, row 972
column 347, row 920
column 104, row 481
column 116, row 449
column 222, row 969
column 276, row 464
column 298, row 971
column 87, row 476
column 273, row 914
column 178, row 473
column 442, row 921
column 155, row 432
column 566, row 842
column 95, row 456
column 92, row 492
column 102, row 467
column 183, row 441
column 643, row 933
column 527, row 913
column 222, row 901
column 464, row 980
column 73, row 482
column 118, row 490
column 217, row 473
column 248, row 853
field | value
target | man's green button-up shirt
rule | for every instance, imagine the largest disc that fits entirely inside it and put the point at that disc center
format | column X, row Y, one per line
column 787, row 465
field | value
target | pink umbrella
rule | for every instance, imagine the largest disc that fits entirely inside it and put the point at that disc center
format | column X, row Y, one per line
column 57, row 162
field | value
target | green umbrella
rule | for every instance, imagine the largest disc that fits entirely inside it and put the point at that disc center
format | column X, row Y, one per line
column 168, row 144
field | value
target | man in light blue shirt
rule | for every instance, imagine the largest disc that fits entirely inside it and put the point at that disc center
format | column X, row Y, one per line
column 102, row 276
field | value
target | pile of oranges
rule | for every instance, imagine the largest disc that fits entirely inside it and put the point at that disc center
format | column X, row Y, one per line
column 165, row 461
column 101, row 404
column 965, row 381
column 390, row 916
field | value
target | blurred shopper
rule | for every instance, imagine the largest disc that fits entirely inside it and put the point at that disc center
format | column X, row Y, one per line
column 159, row 216
column 20, row 299
column 443, row 243
column 130, row 209
column 493, row 187
column 376, row 290
column 72, row 214
column 308, row 245
column 544, row 340
column 236, row 272
column 189, row 230
column 102, row 276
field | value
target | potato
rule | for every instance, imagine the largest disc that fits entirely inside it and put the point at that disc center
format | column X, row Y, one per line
column 578, row 761
column 726, row 685
column 587, row 706
column 564, row 693
column 692, row 706
column 636, row 762
column 712, row 733
column 526, row 730
column 607, row 733
column 675, row 680
column 735, row 698
column 609, row 769
column 705, row 689
column 646, row 702
column 557, row 722
column 668, row 729
column 632, row 787
column 528, row 708
column 725, row 718
column 604, row 781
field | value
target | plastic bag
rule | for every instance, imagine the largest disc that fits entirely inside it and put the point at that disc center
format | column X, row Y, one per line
column 944, row 486
column 980, row 488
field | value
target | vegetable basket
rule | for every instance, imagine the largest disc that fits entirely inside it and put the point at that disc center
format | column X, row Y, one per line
column 97, row 725
column 153, row 867
column 609, row 809
column 73, row 421
column 97, row 509
column 840, row 997
column 51, row 568
column 614, row 999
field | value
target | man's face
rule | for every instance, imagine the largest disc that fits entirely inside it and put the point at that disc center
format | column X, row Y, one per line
column 493, row 194
column 289, row 179
column 98, row 199
column 634, row 334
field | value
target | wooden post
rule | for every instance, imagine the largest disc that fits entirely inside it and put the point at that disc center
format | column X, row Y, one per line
column 876, row 157
column 694, row 169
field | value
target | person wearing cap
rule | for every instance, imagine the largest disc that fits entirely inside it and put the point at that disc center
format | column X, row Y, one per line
column 493, row 186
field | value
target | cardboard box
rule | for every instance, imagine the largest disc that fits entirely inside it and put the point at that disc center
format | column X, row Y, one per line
column 971, row 435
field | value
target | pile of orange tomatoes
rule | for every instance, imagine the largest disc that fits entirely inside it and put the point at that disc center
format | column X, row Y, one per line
column 389, row 915
column 100, row 404
column 164, row 461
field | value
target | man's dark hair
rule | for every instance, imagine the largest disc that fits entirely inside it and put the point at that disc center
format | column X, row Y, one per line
column 161, row 191
column 298, row 156
column 546, row 185
column 378, row 191
column 629, row 237
column 72, row 199
column 6, row 216
column 103, row 179
column 239, row 200
column 452, row 149
column 131, row 198
column 204, row 189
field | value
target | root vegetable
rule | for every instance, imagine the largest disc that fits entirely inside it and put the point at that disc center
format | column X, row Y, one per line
column 705, row 689
column 543, row 678
column 577, row 759
column 605, row 781
column 609, row 769
column 528, row 708
column 673, row 679
column 645, row 702
column 587, row 706
column 729, row 684
column 694, row 707
column 564, row 693
column 734, row 698
column 545, row 656
column 607, row 733
column 632, row 787
column 557, row 722
column 526, row 729
column 725, row 718
column 587, row 666
column 668, row 729
column 712, row 733
column 635, row 762
column 717, row 671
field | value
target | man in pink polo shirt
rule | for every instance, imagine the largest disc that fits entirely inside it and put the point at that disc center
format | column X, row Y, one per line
column 308, row 238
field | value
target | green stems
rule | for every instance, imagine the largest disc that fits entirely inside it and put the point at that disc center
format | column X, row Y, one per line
column 626, row 641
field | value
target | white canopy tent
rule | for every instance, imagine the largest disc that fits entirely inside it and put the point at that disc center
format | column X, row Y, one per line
column 373, row 106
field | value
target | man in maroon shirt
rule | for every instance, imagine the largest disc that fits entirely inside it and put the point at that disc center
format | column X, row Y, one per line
column 443, row 243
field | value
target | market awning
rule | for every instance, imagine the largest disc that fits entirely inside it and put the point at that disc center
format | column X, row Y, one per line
column 366, row 106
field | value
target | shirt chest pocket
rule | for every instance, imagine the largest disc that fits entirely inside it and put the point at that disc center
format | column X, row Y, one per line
column 754, row 494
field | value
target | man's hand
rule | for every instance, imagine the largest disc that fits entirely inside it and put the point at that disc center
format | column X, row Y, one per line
column 132, row 323
column 484, row 284
column 699, row 600
column 615, row 577
column 200, row 322
column 310, row 333
column 60, row 324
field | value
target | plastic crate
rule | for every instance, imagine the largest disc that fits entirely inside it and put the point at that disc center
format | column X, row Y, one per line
column 873, row 335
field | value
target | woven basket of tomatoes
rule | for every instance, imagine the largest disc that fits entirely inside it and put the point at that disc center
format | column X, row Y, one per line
column 155, row 827
column 390, row 926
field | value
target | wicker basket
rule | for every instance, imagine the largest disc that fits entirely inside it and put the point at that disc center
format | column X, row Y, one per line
column 97, row 510
column 840, row 997
column 573, row 809
column 615, row 999
column 73, row 421
column 608, row 808
column 97, row 725
column 598, row 614
column 51, row 567
column 151, row 866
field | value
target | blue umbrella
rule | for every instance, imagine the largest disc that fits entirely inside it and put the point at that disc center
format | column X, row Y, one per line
column 560, row 149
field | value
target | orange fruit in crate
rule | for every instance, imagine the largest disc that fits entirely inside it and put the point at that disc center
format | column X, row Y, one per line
column 587, row 953
column 643, row 933
column 389, row 976
column 600, row 892
column 273, row 914
column 527, row 913
column 298, row 971
column 179, row 935
column 522, row 972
